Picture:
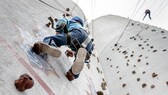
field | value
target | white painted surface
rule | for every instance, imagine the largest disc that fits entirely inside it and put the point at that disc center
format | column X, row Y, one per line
column 122, row 69
column 23, row 22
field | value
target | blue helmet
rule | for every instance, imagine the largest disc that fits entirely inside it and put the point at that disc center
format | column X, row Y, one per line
column 61, row 25
column 78, row 19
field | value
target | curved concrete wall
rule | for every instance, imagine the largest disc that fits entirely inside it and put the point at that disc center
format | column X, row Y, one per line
column 138, row 64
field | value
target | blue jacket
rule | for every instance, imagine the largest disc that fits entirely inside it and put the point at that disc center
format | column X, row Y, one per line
column 75, row 30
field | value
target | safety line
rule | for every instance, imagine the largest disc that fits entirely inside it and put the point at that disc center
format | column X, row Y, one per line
column 161, row 9
column 52, row 6
column 126, row 25
column 139, row 8
column 74, row 6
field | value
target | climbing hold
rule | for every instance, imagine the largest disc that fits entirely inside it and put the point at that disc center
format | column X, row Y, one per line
column 140, row 45
column 24, row 82
column 125, row 52
column 167, row 83
column 146, row 57
column 100, row 93
column 139, row 60
column 127, row 64
column 152, row 86
column 55, row 19
column 140, row 55
column 126, row 57
column 154, row 75
column 138, row 79
column 127, row 94
column 162, row 31
column 48, row 24
column 67, row 14
column 132, row 24
column 155, row 51
column 147, row 63
column 164, row 50
column 115, row 45
column 103, row 85
column 98, row 70
column 88, row 65
column 143, row 72
column 133, row 72
column 163, row 37
column 151, row 47
column 144, row 85
column 123, row 85
column 153, row 30
column 67, row 9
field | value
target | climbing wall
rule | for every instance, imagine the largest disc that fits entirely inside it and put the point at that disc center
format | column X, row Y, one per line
column 22, row 23
column 138, row 64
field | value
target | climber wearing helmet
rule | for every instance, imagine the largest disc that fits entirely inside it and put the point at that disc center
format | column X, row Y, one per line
column 71, row 33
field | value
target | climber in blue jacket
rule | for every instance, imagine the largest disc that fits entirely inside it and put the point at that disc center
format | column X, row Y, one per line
column 71, row 33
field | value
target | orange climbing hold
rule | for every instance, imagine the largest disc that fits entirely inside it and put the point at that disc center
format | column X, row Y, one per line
column 24, row 82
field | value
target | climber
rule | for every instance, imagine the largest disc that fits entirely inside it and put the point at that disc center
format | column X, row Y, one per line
column 147, row 12
column 71, row 33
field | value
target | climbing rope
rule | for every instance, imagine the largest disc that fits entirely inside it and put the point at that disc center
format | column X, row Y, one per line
column 92, row 15
column 139, row 8
column 74, row 7
column 57, row 2
column 52, row 6
column 161, row 9
column 123, row 32
column 127, row 24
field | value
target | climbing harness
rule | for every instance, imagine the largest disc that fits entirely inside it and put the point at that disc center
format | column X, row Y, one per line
column 76, row 44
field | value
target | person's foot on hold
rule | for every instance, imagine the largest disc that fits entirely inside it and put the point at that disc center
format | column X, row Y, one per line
column 70, row 76
column 36, row 48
